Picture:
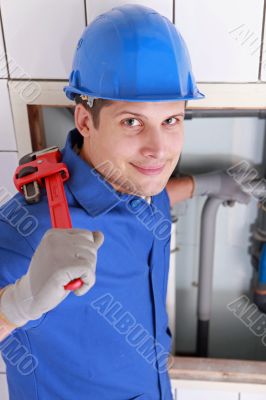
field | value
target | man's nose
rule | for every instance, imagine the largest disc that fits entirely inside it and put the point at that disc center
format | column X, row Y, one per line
column 154, row 144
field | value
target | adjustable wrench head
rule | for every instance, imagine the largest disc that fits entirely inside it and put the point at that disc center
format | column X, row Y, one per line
column 34, row 168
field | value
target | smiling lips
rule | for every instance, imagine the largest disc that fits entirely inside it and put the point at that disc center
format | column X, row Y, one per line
column 149, row 171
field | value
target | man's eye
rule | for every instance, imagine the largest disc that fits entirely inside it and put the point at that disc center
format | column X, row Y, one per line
column 171, row 121
column 131, row 122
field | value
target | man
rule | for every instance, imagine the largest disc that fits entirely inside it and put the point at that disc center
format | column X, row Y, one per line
column 109, row 339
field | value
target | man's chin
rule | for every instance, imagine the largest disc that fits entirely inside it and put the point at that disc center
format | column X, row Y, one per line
column 132, row 186
column 152, row 191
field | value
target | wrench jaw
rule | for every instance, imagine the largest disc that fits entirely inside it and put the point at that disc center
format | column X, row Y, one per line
column 31, row 190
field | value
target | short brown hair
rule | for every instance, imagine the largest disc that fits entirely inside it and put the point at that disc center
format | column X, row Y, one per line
column 98, row 104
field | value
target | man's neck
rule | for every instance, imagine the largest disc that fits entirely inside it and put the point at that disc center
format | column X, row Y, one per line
column 147, row 198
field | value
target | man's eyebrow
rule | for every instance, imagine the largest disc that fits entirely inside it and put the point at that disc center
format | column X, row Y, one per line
column 181, row 114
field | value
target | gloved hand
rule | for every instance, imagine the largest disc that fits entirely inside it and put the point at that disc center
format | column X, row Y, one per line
column 62, row 255
column 220, row 184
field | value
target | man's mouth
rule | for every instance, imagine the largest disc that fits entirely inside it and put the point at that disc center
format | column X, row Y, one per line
column 149, row 170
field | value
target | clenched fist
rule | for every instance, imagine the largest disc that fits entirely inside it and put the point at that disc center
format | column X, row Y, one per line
column 62, row 255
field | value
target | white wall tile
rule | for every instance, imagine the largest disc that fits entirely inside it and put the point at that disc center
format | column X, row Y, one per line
column 41, row 36
column 95, row 7
column 3, row 387
column 223, row 38
column 190, row 389
column 3, row 383
column 2, row 365
column 3, row 70
column 8, row 163
column 263, row 65
column 199, row 394
column 7, row 134
column 253, row 396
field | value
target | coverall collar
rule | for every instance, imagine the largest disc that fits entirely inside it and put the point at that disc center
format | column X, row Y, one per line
column 95, row 194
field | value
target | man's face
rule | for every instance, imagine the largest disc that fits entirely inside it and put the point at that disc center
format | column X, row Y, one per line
column 132, row 136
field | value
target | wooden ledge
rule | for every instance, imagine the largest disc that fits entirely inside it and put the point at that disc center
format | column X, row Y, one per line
column 219, row 370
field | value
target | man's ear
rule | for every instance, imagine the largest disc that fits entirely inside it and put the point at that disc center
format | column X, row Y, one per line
column 83, row 120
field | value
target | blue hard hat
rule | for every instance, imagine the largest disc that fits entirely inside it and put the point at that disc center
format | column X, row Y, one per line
column 132, row 53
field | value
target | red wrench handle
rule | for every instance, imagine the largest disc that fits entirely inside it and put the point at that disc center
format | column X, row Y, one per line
column 58, row 206
column 73, row 285
column 59, row 213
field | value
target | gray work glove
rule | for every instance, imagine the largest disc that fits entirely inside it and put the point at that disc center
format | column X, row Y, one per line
column 220, row 184
column 62, row 255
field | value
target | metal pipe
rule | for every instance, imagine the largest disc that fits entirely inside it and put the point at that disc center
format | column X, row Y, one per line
column 224, row 113
column 206, row 257
column 206, row 266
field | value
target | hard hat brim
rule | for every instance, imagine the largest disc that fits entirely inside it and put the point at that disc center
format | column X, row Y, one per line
column 70, row 92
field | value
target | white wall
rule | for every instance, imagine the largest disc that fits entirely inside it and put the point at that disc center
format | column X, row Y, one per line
column 3, row 69
column 224, row 38
column 199, row 390
column 3, row 383
column 8, row 147
column 95, row 7
column 41, row 36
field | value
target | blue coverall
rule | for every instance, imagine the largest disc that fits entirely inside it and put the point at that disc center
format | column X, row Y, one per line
column 111, row 343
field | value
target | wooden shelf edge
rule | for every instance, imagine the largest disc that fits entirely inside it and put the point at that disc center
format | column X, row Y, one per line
column 219, row 370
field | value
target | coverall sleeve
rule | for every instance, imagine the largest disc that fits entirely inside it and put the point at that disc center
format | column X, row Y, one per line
column 15, row 257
